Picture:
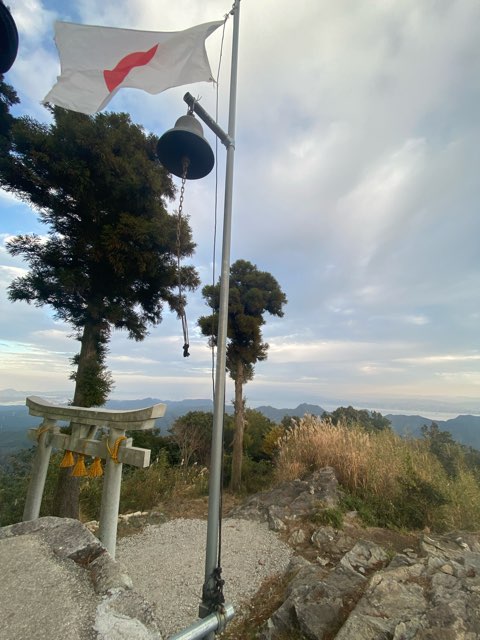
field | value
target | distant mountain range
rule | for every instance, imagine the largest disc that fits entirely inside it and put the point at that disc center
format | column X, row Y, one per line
column 464, row 429
column 15, row 420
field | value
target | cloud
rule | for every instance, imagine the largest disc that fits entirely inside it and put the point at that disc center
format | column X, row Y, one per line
column 7, row 273
column 355, row 185
column 10, row 198
column 447, row 358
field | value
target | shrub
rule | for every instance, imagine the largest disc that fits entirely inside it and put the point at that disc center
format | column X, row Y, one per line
column 256, row 475
column 144, row 489
column 14, row 481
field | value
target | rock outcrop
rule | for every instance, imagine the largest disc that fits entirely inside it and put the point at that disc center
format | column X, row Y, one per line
column 357, row 584
column 58, row 581
column 290, row 501
column 433, row 595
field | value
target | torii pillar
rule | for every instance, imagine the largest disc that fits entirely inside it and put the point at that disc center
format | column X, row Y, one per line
column 115, row 448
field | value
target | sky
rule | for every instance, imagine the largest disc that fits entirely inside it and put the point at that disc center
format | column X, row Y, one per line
column 356, row 186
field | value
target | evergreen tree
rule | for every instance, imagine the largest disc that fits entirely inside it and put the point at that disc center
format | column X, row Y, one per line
column 8, row 98
column 443, row 446
column 369, row 420
column 252, row 294
column 109, row 260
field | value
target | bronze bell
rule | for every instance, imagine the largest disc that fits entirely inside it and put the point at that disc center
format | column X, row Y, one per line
column 185, row 146
column 8, row 39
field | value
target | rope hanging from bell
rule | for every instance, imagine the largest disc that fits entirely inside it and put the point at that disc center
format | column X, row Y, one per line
column 181, row 311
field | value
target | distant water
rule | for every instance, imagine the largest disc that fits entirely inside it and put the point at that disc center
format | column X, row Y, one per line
column 432, row 415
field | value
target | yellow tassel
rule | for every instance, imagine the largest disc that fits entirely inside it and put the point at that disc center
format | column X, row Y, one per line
column 68, row 460
column 95, row 470
column 79, row 469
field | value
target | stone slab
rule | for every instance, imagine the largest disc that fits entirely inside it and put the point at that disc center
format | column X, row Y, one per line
column 59, row 582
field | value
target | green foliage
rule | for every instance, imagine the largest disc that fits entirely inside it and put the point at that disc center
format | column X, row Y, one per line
column 288, row 422
column 153, row 440
column 369, row 420
column 91, row 498
column 256, row 475
column 93, row 381
column 471, row 458
column 144, row 489
column 417, row 504
column 257, row 426
column 443, row 447
column 271, row 441
column 252, row 294
column 332, row 517
column 365, row 508
column 110, row 257
column 418, row 498
column 14, row 480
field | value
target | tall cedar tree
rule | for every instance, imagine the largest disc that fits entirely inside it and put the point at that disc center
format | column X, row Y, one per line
column 109, row 260
column 252, row 294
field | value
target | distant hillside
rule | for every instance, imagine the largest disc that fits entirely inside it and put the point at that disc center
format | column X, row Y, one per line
column 14, row 424
column 278, row 414
column 175, row 408
column 15, row 420
column 464, row 429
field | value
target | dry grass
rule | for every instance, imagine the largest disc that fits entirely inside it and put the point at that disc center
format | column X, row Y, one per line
column 191, row 507
column 400, row 477
column 247, row 623
column 359, row 458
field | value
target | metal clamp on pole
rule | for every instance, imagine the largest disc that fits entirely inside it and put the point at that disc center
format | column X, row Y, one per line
column 195, row 106
column 214, row 623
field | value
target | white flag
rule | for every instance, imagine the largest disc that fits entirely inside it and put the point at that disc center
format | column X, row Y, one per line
column 97, row 61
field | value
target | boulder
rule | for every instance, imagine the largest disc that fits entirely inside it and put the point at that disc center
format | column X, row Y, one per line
column 289, row 501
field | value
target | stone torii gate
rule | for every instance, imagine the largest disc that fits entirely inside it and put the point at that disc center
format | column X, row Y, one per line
column 114, row 447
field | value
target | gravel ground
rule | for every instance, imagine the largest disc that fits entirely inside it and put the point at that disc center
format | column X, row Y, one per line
column 166, row 563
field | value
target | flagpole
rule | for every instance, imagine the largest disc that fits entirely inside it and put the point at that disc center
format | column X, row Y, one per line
column 212, row 545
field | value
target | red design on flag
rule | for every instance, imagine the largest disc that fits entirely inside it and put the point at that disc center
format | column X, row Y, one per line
column 114, row 77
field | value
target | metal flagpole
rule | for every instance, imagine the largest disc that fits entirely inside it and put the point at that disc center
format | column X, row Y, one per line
column 185, row 141
column 211, row 557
